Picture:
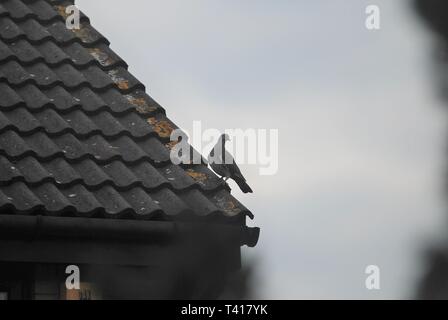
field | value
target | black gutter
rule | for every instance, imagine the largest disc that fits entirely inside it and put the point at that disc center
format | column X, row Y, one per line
column 41, row 227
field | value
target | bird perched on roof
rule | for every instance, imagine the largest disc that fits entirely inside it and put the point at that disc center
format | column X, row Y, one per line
column 224, row 165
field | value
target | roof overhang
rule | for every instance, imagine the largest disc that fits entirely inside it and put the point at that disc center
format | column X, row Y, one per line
column 44, row 227
column 44, row 239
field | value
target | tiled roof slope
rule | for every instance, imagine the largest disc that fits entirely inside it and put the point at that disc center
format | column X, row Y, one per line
column 78, row 134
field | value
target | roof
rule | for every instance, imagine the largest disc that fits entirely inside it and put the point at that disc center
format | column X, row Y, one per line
column 80, row 137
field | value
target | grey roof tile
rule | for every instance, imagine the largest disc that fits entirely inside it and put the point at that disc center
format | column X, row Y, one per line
column 9, row 30
column 31, row 30
column 33, row 97
column 10, row 98
column 17, row 9
column 3, row 11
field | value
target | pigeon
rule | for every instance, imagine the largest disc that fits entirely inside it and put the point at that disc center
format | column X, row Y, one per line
column 224, row 165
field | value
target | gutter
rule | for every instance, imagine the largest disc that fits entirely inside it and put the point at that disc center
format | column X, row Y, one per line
column 44, row 227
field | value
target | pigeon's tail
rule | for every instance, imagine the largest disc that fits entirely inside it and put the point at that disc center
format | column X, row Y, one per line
column 243, row 186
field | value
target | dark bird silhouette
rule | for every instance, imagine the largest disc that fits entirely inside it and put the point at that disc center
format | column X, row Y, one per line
column 224, row 165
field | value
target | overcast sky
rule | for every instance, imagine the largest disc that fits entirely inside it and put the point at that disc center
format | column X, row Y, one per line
column 360, row 127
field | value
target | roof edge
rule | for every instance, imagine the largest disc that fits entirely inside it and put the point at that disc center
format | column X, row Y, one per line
column 94, row 229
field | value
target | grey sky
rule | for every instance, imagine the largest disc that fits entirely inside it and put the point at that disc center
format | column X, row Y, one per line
column 361, row 129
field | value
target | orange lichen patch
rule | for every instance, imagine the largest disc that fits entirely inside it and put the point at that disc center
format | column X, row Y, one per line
column 197, row 176
column 230, row 205
column 170, row 145
column 84, row 34
column 61, row 10
column 140, row 104
column 121, row 83
column 162, row 127
column 102, row 57
column 227, row 204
